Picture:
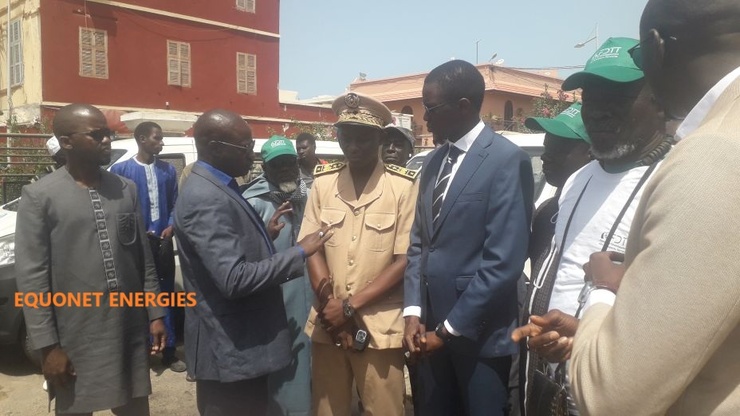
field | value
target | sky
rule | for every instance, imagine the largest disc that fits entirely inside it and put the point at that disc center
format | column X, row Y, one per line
column 325, row 44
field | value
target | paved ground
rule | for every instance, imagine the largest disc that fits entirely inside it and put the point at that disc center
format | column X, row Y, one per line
column 21, row 393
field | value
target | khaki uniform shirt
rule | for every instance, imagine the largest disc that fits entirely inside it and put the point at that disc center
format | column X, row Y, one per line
column 368, row 232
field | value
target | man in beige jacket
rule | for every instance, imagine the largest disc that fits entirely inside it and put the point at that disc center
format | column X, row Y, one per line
column 670, row 344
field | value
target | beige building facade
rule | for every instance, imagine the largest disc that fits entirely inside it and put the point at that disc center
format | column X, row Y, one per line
column 508, row 99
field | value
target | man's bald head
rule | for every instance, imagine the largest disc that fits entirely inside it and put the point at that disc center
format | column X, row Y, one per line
column 687, row 47
column 222, row 137
column 212, row 125
column 68, row 119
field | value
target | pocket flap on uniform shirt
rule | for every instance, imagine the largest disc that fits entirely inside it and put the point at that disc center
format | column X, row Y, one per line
column 379, row 220
column 331, row 216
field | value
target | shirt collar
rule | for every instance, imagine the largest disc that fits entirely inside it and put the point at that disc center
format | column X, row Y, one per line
column 220, row 175
column 468, row 139
column 697, row 115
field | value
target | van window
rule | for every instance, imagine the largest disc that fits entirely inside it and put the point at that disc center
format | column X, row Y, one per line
column 175, row 159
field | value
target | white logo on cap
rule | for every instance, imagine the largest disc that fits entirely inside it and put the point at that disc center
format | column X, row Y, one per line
column 571, row 112
column 607, row 53
column 277, row 143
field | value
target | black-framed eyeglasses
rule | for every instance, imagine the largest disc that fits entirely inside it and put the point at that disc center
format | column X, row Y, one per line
column 431, row 109
column 99, row 135
column 636, row 55
column 243, row 148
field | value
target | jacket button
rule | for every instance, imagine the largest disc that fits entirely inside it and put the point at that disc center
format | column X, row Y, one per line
column 357, row 212
column 348, row 287
column 351, row 262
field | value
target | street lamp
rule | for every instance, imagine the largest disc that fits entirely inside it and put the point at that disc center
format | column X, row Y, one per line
column 476, row 51
column 595, row 37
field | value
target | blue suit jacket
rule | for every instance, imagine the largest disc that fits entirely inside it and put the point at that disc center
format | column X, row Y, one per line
column 238, row 329
column 469, row 265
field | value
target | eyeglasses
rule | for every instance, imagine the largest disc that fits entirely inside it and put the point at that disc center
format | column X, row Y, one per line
column 636, row 52
column 431, row 109
column 243, row 148
column 98, row 135
column 636, row 55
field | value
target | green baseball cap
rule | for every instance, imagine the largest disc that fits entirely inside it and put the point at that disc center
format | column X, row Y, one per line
column 277, row 146
column 568, row 124
column 611, row 62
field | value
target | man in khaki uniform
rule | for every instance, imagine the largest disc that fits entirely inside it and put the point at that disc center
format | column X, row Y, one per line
column 357, row 278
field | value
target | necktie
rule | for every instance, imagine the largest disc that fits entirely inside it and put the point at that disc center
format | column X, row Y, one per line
column 438, row 196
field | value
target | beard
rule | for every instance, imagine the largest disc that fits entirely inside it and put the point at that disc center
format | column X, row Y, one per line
column 288, row 187
column 615, row 152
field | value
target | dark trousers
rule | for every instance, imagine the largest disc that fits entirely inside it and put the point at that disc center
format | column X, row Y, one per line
column 164, row 261
column 138, row 406
column 246, row 397
column 453, row 384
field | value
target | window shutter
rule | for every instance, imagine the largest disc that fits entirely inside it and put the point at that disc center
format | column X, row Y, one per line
column 101, row 54
column 173, row 63
column 252, row 74
column 241, row 4
column 241, row 73
column 16, row 53
column 86, row 59
column 249, row 5
column 185, row 64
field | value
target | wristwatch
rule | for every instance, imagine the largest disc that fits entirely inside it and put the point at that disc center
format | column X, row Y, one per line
column 442, row 332
column 349, row 310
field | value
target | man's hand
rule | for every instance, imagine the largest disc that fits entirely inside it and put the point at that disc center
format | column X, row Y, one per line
column 414, row 336
column 605, row 269
column 315, row 241
column 343, row 339
column 274, row 225
column 550, row 336
column 433, row 342
column 167, row 233
column 56, row 366
column 332, row 315
column 159, row 335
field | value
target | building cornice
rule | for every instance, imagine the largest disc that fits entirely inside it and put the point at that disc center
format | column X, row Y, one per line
column 58, row 105
column 180, row 16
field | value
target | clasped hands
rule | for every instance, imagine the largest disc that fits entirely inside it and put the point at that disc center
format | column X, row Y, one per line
column 417, row 340
column 551, row 335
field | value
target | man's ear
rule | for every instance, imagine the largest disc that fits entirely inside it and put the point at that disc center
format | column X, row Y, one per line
column 65, row 142
column 653, row 56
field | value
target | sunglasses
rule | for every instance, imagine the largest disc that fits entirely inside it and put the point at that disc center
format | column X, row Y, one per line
column 637, row 55
column 243, row 148
column 431, row 109
column 98, row 135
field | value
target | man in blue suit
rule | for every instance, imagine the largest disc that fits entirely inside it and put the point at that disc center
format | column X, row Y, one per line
column 237, row 333
column 468, row 247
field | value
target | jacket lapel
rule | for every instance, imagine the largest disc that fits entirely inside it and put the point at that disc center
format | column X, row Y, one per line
column 470, row 164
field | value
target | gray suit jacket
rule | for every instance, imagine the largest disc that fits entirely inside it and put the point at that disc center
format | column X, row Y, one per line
column 238, row 328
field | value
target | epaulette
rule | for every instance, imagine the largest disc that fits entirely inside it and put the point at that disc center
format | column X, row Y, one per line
column 406, row 173
column 331, row 167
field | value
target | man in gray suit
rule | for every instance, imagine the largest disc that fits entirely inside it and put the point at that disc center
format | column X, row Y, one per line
column 237, row 333
column 79, row 233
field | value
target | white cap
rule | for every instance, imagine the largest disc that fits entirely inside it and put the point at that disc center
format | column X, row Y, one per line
column 52, row 145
